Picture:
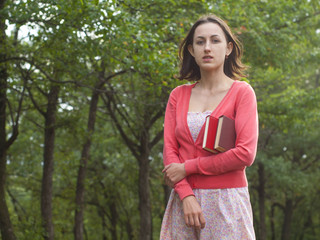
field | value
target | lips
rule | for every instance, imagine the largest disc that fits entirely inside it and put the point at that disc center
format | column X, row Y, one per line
column 207, row 59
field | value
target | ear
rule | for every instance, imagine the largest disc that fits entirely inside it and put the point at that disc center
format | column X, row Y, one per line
column 229, row 48
column 191, row 50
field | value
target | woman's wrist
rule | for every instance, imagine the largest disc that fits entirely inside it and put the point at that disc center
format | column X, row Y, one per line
column 187, row 197
column 190, row 166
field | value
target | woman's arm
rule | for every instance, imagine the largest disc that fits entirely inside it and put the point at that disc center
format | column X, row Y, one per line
column 173, row 173
column 171, row 146
column 193, row 215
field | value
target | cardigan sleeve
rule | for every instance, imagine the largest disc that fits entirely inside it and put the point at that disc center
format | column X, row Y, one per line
column 243, row 155
column 171, row 146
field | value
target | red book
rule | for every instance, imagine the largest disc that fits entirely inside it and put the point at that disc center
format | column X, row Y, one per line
column 225, row 134
column 210, row 134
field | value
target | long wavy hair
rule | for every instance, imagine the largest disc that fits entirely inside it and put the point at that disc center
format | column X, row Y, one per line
column 233, row 67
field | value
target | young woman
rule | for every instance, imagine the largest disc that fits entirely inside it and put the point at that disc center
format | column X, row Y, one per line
column 210, row 198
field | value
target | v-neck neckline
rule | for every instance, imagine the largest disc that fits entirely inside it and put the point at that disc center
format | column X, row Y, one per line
column 212, row 112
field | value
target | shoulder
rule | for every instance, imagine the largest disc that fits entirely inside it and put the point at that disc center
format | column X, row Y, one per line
column 181, row 90
column 243, row 87
column 244, row 94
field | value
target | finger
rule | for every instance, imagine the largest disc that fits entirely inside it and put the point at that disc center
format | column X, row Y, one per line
column 202, row 221
column 165, row 175
column 166, row 168
column 197, row 223
column 168, row 182
column 170, row 178
column 186, row 219
column 191, row 221
column 165, row 179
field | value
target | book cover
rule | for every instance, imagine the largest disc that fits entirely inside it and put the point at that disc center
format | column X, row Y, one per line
column 210, row 134
column 225, row 134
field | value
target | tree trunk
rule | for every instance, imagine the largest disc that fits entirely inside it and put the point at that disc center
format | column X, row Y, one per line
column 48, row 159
column 80, row 192
column 144, row 199
column 103, row 223
column 114, row 219
column 129, row 228
column 286, row 228
column 261, row 192
column 5, row 223
column 272, row 223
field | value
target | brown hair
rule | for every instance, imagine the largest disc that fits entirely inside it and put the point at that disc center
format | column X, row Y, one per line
column 233, row 66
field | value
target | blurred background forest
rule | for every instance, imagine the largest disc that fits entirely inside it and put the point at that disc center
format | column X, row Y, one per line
column 83, row 89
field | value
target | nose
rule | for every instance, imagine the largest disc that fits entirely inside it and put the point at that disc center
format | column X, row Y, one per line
column 207, row 47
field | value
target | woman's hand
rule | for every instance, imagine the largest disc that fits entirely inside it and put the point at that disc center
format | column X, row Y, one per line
column 174, row 173
column 193, row 215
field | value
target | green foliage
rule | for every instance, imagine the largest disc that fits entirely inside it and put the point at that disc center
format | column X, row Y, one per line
column 74, row 43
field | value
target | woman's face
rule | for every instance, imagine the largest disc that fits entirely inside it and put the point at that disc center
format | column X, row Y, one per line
column 210, row 47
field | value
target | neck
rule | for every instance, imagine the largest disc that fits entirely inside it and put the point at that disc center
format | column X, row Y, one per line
column 214, row 80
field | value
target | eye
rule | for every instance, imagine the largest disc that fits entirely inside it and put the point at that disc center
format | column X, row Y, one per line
column 200, row 42
column 215, row 40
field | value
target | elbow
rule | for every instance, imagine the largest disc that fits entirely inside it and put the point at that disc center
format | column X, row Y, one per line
column 246, row 155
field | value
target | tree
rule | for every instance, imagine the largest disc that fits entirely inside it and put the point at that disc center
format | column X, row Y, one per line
column 5, row 222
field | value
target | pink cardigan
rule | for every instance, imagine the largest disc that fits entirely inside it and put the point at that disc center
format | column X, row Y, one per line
column 206, row 170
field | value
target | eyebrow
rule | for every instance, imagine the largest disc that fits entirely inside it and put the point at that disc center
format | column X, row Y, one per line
column 215, row 35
